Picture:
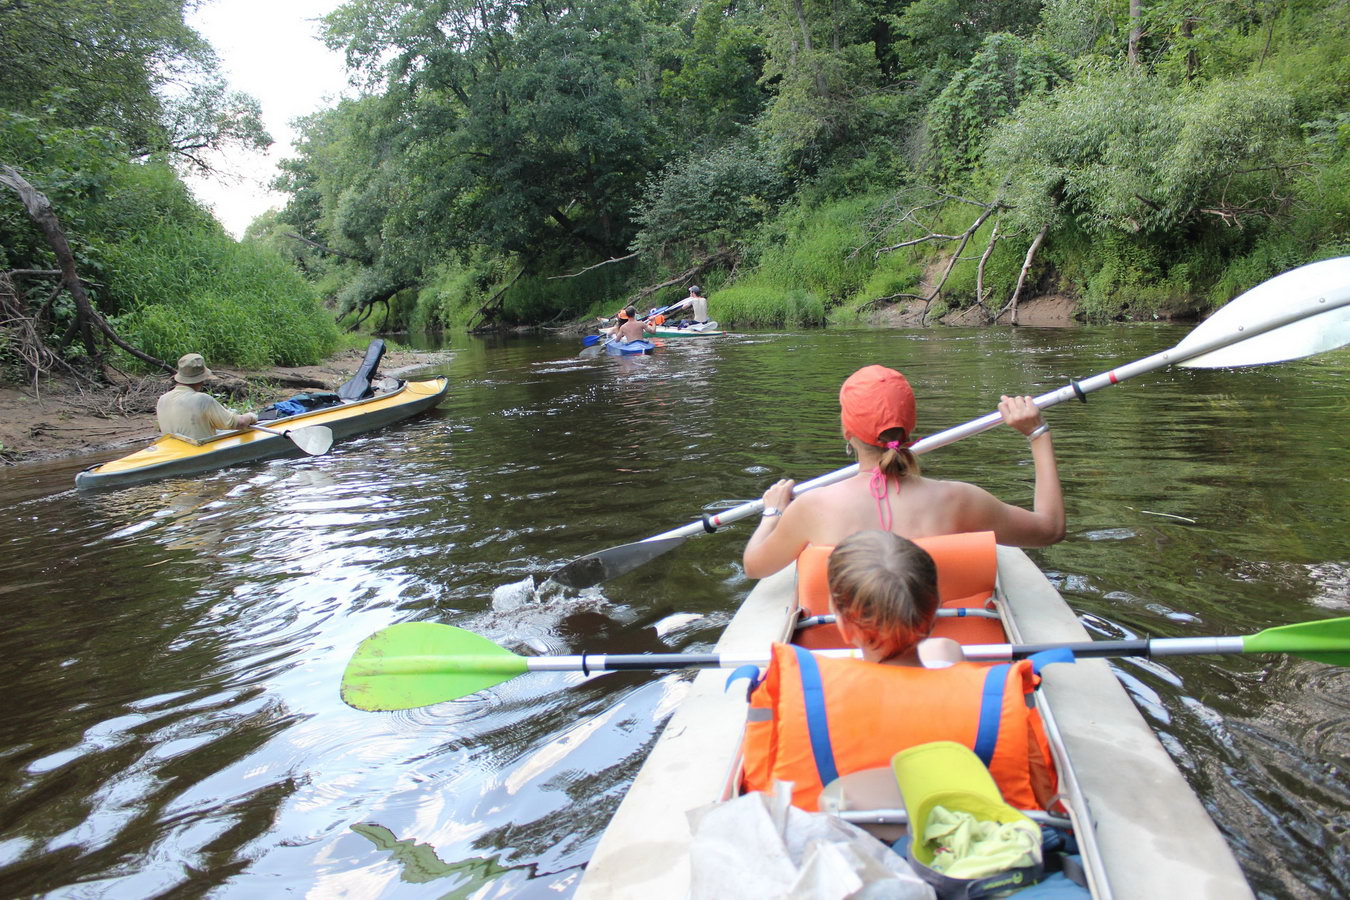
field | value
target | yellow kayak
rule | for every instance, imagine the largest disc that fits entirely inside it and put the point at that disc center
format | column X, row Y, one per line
column 171, row 455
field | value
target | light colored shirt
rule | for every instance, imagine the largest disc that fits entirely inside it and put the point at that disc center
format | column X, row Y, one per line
column 698, row 306
column 193, row 414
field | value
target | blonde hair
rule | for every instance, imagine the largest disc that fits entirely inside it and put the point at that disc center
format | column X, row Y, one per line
column 886, row 587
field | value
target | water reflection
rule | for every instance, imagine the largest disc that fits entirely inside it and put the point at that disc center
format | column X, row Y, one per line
column 173, row 650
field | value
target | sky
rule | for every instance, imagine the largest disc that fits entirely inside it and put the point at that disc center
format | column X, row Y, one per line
column 271, row 50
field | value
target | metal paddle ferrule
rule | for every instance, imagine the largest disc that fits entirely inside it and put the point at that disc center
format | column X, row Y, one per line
column 1146, row 647
column 1317, row 305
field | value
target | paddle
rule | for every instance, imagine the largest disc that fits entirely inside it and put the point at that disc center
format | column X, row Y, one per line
column 420, row 663
column 313, row 439
column 1300, row 313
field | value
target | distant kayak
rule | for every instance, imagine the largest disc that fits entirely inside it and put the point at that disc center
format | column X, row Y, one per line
column 693, row 331
column 171, row 455
column 629, row 348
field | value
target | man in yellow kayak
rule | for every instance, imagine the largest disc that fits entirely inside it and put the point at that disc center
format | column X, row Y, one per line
column 190, row 413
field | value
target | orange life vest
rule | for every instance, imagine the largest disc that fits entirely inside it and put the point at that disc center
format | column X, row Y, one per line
column 813, row 718
column 966, row 567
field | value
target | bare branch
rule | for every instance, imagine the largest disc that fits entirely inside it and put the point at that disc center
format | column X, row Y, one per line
column 721, row 256
column 607, row 262
column 40, row 210
column 984, row 258
column 1026, row 267
column 317, row 246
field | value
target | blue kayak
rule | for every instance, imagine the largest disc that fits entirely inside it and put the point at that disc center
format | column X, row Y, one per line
column 629, row 348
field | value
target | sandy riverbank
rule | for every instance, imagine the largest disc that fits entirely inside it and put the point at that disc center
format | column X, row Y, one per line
column 60, row 417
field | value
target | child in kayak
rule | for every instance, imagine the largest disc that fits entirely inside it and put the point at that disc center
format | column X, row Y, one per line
column 884, row 596
column 814, row 718
column 877, row 415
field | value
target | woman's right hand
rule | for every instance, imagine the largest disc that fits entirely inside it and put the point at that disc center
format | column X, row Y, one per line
column 1020, row 413
column 779, row 494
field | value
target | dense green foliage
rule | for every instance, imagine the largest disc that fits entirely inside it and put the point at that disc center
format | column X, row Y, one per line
column 100, row 105
column 829, row 156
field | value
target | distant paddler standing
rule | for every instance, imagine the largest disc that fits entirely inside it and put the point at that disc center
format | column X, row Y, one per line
column 187, row 412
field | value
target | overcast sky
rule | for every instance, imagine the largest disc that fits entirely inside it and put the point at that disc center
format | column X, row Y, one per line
column 270, row 49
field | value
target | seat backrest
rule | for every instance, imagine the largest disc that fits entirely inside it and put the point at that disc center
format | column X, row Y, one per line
column 358, row 387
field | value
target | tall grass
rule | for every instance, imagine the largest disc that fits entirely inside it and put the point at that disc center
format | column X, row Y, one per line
column 188, row 289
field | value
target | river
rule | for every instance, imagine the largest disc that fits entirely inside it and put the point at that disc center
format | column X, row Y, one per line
column 172, row 651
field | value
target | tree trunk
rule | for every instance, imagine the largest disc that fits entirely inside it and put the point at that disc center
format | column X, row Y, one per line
column 1026, row 267
column 40, row 210
column 1136, row 31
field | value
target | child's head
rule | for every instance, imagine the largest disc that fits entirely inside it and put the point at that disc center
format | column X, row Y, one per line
column 884, row 589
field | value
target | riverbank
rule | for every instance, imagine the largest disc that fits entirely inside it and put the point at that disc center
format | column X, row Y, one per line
column 61, row 417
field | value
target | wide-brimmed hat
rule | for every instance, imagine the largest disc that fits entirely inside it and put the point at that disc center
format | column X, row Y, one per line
column 949, row 775
column 873, row 400
column 191, row 369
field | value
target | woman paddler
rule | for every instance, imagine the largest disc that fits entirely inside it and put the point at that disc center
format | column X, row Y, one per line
column 877, row 412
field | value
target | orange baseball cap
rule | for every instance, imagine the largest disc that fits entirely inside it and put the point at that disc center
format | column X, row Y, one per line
column 875, row 399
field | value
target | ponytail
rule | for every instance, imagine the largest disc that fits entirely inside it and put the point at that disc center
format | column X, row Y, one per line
column 896, row 462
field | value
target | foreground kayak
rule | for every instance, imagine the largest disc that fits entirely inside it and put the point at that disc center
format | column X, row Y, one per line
column 1142, row 831
column 170, row 455
column 693, row 331
column 629, row 348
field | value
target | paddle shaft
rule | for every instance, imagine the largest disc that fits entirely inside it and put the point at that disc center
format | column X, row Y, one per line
column 1075, row 389
column 642, row 662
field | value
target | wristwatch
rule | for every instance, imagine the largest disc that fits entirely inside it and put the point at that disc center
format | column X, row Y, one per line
column 770, row 511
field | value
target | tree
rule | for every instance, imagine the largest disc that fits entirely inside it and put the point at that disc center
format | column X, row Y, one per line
column 134, row 67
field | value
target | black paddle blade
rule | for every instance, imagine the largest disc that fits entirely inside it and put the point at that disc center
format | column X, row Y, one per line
column 589, row 571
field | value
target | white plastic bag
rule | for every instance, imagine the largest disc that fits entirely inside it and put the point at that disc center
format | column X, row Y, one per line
column 760, row 846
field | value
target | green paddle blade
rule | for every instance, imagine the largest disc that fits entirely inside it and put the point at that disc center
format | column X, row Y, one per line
column 420, row 663
column 1325, row 641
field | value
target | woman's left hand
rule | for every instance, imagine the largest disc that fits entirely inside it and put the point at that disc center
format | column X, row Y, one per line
column 779, row 494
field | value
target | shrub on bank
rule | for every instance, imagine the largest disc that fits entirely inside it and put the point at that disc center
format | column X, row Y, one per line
column 194, row 289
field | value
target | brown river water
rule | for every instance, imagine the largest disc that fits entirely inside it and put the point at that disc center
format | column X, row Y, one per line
column 171, row 652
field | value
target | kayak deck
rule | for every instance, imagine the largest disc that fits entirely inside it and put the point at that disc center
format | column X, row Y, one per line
column 637, row 347
column 665, row 331
column 169, row 455
column 1142, row 831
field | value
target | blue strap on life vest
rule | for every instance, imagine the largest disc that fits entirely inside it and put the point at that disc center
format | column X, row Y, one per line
column 1046, row 657
column 991, row 713
column 817, row 726
column 749, row 672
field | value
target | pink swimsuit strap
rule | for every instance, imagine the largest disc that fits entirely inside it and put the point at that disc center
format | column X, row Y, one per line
column 879, row 486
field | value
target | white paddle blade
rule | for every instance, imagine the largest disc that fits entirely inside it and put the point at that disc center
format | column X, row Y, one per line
column 313, row 439
column 1317, row 285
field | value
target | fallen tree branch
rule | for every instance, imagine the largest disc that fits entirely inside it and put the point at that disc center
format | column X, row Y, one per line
column 317, row 246
column 617, row 259
column 87, row 317
column 1022, row 277
column 494, row 303
column 984, row 259
column 724, row 255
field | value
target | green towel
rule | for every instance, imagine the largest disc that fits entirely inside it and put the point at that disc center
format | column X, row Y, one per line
column 966, row 847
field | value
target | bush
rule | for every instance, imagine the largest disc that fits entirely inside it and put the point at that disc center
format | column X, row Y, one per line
column 196, row 290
